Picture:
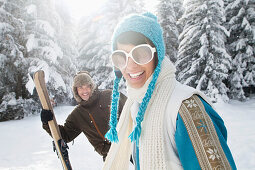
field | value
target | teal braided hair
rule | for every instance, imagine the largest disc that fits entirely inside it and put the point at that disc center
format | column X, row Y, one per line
column 147, row 25
column 135, row 135
column 112, row 133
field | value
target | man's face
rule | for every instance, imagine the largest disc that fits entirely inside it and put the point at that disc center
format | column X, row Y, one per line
column 84, row 92
column 135, row 74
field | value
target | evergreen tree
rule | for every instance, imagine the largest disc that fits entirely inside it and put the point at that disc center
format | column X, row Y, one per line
column 95, row 39
column 68, row 44
column 34, row 35
column 203, row 62
column 49, row 47
column 12, row 61
column 179, row 11
column 241, row 45
column 168, row 13
column 178, row 8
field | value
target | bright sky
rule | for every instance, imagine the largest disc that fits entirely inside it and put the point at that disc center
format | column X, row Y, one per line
column 81, row 8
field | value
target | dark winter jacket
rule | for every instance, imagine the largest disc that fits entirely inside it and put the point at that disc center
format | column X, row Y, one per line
column 92, row 118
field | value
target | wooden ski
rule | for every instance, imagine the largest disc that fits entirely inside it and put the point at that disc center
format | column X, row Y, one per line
column 58, row 143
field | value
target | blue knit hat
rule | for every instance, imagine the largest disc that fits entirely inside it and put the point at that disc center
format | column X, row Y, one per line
column 147, row 25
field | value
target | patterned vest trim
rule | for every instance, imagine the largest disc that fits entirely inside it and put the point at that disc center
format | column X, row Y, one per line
column 203, row 135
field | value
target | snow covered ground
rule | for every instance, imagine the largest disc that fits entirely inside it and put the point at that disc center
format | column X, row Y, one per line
column 24, row 145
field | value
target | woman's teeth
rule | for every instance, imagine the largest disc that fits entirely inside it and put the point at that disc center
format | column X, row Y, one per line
column 136, row 74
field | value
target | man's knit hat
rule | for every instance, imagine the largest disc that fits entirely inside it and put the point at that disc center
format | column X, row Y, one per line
column 147, row 25
column 80, row 79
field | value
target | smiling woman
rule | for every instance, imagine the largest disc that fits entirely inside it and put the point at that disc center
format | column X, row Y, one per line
column 82, row 8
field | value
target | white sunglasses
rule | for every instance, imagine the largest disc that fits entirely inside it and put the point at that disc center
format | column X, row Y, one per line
column 141, row 54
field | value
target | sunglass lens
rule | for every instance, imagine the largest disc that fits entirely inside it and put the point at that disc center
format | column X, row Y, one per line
column 142, row 55
column 119, row 59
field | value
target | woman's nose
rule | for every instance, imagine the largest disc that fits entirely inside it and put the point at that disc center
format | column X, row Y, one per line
column 131, row 63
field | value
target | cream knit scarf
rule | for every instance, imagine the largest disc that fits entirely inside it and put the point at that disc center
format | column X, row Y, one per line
column 151, row 144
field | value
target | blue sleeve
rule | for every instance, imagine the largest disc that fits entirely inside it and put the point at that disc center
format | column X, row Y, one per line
column 184, row 146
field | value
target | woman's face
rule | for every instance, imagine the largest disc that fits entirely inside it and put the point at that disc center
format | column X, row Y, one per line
column 136, row 75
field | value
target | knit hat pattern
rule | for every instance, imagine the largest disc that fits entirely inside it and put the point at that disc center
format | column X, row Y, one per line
column 80, row 79
column 147, row 25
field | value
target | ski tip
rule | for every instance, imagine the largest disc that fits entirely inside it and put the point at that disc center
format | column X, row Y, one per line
column 39, row 72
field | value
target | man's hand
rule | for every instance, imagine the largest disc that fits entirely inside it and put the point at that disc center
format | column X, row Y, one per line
column 53, row 102
column 46, row 115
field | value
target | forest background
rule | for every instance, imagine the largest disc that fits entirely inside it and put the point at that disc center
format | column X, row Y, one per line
column 211, row 43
